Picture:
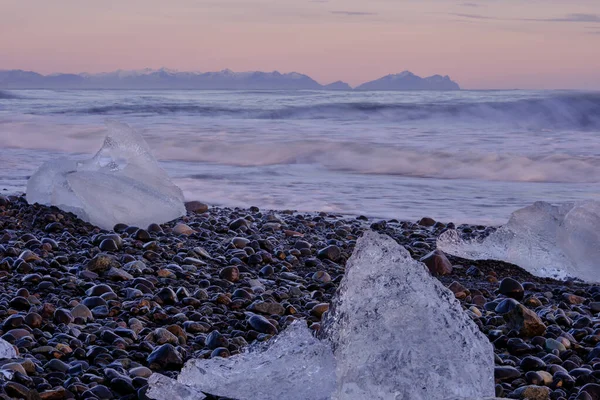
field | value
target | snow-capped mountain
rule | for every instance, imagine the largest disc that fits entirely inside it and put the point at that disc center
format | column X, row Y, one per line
column 158, row 79
column 408, row 81
column 221, row 80
column 338, row 85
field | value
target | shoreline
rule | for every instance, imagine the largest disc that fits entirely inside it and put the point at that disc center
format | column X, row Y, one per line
column 93, row 313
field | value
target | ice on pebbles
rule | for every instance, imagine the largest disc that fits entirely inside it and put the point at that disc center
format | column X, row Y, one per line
column 7, row 350
column 292, row 366
column 397, row 333
column 547, row 240
column 162, row 387
column 393, row 332
column 122, row 183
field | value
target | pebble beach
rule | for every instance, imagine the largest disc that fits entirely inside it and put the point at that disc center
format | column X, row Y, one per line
column 94, row 313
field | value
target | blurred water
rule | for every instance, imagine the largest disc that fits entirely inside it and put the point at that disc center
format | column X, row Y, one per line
column 461, row 156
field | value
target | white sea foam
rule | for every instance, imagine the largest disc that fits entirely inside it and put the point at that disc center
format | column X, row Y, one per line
column 364, row 158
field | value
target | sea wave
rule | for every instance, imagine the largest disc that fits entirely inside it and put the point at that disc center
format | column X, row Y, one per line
column 364, row 157
column 386, row 160
column 561, row 110
column 5, row 95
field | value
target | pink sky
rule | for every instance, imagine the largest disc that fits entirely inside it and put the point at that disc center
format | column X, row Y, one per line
column 479, row 43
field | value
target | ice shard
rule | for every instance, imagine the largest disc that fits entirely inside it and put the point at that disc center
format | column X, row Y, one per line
column 162, row 387
column 122, row 183
column 393, row 332
column 397, row 333
column 7, row 350
column 557, row 241
column 293, row 366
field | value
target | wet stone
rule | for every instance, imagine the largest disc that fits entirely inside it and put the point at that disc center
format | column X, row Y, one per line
column 19, row 303
column 102, row 263
column 511, row 288
column 232, row 274
column 525, row 321
column 196, row 207
column 332, row 253
column 262, row 325
column 62, row 316
column 268, row 308
column 108, row 245
column 165, row 356
column 506, row 373
column 321, row 276
column 437, row 263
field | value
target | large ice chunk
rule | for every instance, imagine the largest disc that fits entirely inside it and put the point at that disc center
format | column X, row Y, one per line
column 293, row 366
column 122, row 183
column 397, row 333
column 547, row 240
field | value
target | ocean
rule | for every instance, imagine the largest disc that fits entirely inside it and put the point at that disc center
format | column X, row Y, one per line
column 466, row 157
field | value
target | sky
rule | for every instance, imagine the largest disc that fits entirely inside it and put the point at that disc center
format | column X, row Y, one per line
column 481, row 44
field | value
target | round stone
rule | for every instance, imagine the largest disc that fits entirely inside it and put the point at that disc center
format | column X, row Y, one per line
column 531, row 363
column 154, row 228
column 33, row 320
column 331, row 252
column 321, row 276
column 196, row 207
column 183, row 229
column 219, row 352
column 505, row 373
column 94, row 301
column 143, row 372
column 108, row 245
column 167, row 296
column 142, row 235
column 14, row 321
column 239, row 223
column 62, row 316
column 506, row 305
column 511, row 288
column 240, row 242
column 19, row 303
column 215, row 340
column 82, row 311
column 262, row 325
column 165, row 357
column 232, row 274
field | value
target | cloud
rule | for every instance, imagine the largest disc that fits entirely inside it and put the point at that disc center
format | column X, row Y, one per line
column 353, row 13
column 574, row 18
column 469, row 5
column 585, row 18
column 472, row 16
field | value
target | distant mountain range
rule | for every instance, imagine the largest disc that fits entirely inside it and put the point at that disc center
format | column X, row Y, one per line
column 223, row 80
column 409, row 81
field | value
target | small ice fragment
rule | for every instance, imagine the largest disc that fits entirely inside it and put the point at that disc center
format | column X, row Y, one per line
column 292, row 366
column 162, row 387
column 122, row 183
column 7, row 351
column 397, row 333
column 549, row 241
